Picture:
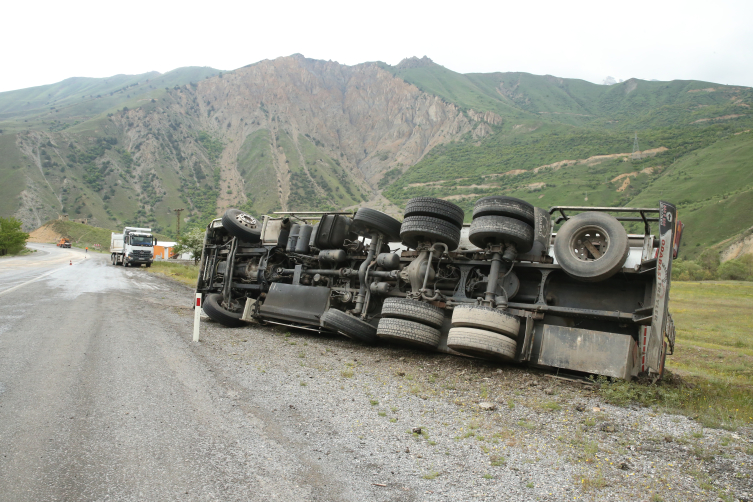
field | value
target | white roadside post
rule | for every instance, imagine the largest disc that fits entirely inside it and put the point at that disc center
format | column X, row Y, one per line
column 197, row 317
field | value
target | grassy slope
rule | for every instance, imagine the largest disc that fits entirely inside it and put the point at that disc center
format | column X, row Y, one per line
column 82, row 235
column 713, row 188
column 78, row 95
column 256, row 166
column 12, row 169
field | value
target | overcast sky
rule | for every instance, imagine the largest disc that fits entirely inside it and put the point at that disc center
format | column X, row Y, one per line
column 45, row 42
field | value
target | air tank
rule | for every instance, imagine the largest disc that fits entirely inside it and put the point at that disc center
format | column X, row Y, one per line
column 293, row 238
column 304, row 235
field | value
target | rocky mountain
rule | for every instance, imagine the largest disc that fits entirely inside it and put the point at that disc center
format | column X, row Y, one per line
column 302, row 134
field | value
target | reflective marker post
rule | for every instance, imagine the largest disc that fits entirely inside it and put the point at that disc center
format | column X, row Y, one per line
column 197, row 317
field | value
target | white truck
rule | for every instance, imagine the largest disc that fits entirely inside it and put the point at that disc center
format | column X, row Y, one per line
column 133, row 247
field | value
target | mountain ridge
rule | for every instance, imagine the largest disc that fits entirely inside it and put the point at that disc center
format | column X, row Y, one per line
column 300, row 133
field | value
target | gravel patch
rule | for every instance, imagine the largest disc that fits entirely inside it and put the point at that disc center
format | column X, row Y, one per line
column 398, row 424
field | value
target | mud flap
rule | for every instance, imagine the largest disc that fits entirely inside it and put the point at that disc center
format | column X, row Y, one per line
column 598, row 352
column 299, row 304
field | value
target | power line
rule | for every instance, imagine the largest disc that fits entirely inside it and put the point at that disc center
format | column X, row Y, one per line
column 177, row 219
column 636, row 149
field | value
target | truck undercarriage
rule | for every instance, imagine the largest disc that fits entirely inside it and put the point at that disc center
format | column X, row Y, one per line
column 589, row 299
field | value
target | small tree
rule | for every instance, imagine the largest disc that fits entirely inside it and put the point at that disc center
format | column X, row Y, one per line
column 12, row 238
column 191, row 242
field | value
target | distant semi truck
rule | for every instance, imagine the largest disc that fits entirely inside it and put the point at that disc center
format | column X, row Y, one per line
column 64, row 242
column 133, row 247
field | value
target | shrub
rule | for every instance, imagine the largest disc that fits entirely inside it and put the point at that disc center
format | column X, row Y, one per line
column 734, row 270
column 12, row 238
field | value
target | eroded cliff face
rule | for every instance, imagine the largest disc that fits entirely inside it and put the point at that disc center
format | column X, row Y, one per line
column 289, row 133
column 360, row 115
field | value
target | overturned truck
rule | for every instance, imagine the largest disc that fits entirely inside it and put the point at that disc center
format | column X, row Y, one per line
column 588, row 299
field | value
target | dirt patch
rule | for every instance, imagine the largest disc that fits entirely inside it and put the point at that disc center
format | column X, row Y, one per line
column 625, row 184
column 465, row 196
column 44, row 234
column 723, row 117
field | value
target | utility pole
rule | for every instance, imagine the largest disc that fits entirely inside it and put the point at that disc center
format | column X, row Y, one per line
column 177, row 220
column 636, row 151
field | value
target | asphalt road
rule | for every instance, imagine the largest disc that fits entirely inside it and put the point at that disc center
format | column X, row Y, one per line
column 103, row 397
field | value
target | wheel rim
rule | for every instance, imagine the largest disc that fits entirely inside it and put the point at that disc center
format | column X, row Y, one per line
column 589, row 244
column 246, row 220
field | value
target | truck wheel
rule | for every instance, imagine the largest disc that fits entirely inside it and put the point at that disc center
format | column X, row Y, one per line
column 112, row 259
column 349, row 326
column 148, row 265
column 408, row 333
column 367, row 220
column 241, row 225
column 487, row 230
column 497, row 205
column 485, row 318
column 213, row 308
column 481, row 343
column 416, row 229
column 437, row 208
column 591, row 246
column 125, row 263
column 412, row 310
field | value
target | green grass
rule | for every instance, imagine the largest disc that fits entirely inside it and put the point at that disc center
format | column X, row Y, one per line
column 186, row 274
column 713, row 189
column 711, row 368
column 256, row 165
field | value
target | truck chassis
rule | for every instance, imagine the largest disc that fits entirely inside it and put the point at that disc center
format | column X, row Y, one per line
column 590, row 299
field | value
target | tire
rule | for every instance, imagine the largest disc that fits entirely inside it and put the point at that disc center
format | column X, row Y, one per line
column 148, row 265
column 482, row 343
column 511, row 207
column 349, row 326
column 218, row 313
column 241, row 225
column 501, row 229
column 112, row 259
column 437, row 208
column 600, row 229
column 370, row 219
column 417, row 229
column 125, row 263
column 486, row 318
column 413, row 310
column 408, row 333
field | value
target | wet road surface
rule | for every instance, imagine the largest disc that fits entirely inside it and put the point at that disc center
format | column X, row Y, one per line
column 103, row 397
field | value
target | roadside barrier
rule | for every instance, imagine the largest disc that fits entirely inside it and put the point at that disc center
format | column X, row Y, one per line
column 197, row 317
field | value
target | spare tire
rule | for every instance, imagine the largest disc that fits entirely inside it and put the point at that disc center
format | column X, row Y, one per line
column 242, row 225
column 413, row 310
column 497, row 205
column 501, row 229
column 367, row 221
column 349, row 326
column 437, row 208
column 213, row 308
column 487, row 318
column 408, row 333
column 417, row 229
column 482, row 343
column 591, row 246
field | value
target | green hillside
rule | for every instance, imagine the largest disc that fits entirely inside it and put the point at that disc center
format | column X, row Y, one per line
column 80, row 96
column 713, row 188
column 126, row 150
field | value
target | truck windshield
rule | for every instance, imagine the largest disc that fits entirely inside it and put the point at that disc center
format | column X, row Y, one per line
column 141, row 240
